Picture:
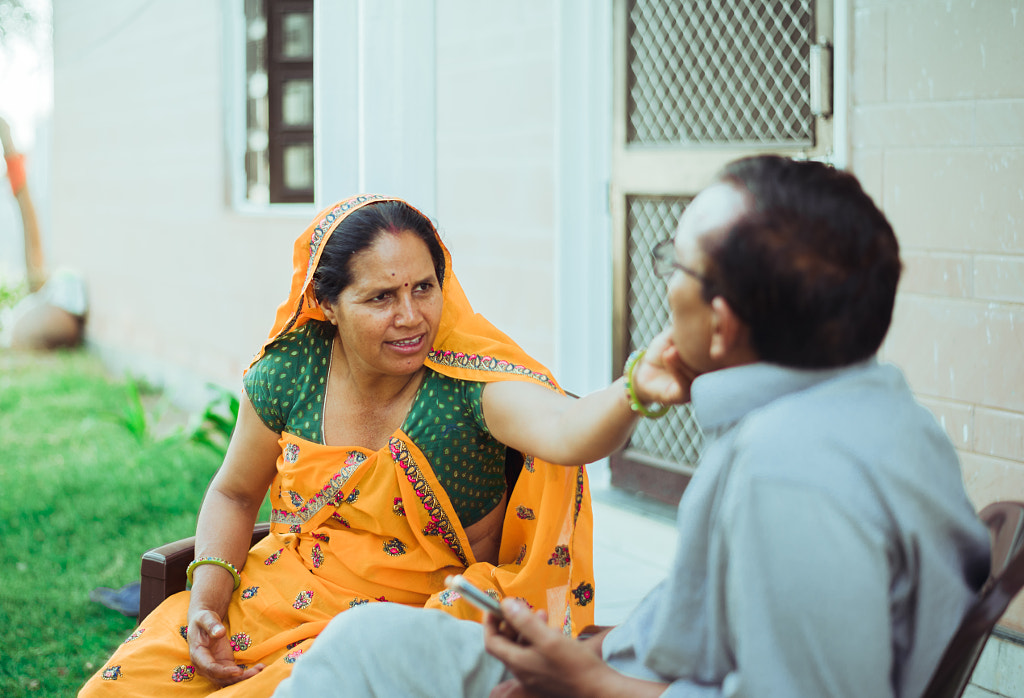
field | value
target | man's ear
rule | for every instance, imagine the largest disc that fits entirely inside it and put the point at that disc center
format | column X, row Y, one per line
column 729, row 334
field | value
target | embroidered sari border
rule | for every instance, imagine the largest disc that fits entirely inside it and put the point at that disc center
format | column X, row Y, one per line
column 329, row 495
column 428, row 499
column 480, row 362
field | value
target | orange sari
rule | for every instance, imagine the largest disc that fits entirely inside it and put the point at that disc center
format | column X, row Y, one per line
column 353, row 526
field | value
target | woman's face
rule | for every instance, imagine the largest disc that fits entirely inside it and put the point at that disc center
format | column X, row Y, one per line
column 388, row 316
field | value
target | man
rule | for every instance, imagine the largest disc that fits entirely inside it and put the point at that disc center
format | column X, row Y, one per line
column 826, row 545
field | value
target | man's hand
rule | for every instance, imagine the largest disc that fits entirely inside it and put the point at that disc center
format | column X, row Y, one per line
column 547, row 663
column 211, row 650
column 544, row 661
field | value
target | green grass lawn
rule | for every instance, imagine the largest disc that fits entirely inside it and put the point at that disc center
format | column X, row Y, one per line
column 82, row 496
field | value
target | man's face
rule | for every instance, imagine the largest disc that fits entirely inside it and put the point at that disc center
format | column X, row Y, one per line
column 715, row 208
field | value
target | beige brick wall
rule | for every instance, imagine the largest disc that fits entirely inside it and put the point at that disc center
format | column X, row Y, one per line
column 937, row 136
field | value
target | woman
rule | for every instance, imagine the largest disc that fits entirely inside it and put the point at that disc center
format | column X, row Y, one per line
column 378, row 416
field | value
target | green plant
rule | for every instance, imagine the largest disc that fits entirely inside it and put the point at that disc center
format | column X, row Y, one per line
column 11, row 293
column 133, row 415
column 215, row 425
column 86, row 499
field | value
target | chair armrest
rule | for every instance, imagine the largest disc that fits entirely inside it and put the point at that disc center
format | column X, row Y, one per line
column 163, row 569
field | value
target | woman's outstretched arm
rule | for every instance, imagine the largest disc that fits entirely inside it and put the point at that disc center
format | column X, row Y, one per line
column 560, row 429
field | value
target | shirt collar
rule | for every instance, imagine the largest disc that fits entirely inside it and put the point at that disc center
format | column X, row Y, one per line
column 721, row 398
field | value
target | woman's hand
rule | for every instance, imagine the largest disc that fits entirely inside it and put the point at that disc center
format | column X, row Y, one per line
column 211, row 652
column 662, row 376
column 550, row 426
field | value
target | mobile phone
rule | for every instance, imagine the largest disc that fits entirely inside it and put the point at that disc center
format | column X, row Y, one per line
column 470, row 593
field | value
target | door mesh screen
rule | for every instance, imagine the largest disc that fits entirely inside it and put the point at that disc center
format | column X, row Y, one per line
column 719, row 71
column 676, row 438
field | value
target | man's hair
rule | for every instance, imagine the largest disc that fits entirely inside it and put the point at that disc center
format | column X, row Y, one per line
column 811, row 268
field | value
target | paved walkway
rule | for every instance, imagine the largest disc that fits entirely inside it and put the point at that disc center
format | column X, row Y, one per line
column 634, row 541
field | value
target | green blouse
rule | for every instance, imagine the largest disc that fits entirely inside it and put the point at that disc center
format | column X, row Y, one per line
column 287, row 386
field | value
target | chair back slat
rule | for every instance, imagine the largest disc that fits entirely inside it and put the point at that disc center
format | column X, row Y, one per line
column 1005, row 521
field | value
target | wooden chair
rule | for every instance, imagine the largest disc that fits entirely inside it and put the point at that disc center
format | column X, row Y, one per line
column 1006, row 577
column 163, row 569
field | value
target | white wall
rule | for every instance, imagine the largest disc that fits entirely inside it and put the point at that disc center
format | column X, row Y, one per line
column 491, row 118
column 177, row 279
column 496, row 161
column 375, row 123
column 583, row 317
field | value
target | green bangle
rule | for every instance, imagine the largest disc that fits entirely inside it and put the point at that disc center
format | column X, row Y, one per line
column 211, row 561
column 634, row 401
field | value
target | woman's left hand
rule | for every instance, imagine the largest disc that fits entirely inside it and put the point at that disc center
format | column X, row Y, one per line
column 211, row 651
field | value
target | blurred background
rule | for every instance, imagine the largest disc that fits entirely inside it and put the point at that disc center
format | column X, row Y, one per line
column 26, row 102
column 177, row 147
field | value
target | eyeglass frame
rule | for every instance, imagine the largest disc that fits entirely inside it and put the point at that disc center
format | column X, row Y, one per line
column 664, row 260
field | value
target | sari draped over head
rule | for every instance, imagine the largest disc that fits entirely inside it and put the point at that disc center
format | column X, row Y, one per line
column 351, row 526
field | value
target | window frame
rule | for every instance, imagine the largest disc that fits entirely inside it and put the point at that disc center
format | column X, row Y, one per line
column 236, row 122
column 280, row 70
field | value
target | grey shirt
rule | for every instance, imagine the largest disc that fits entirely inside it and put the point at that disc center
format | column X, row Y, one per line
column 826, row 545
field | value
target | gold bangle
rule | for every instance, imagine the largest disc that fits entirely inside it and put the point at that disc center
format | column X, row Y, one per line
column 211, row 561
column 634, row 400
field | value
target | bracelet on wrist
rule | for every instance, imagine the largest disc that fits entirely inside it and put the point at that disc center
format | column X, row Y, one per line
column 211, row 561
column 634, row 400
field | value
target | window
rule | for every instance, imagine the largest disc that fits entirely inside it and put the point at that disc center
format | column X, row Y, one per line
column 279, row 156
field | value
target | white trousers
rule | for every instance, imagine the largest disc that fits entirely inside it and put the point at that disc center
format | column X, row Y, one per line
column 388, row 650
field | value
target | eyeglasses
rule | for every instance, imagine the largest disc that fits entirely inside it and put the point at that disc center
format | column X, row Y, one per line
column 665, row 264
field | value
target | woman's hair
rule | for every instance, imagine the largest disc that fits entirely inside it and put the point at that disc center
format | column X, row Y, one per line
column 358, row 231
column 812, row 268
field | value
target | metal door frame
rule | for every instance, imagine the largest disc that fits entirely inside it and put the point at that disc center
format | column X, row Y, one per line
column 644, row 170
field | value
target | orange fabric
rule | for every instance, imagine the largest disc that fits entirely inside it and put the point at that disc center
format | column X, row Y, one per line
column 352, row 526
column 16, row 171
